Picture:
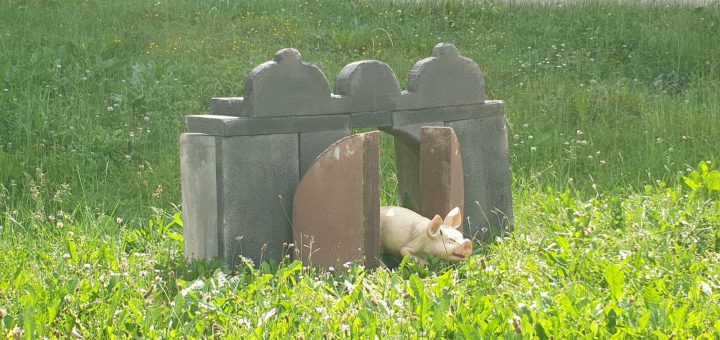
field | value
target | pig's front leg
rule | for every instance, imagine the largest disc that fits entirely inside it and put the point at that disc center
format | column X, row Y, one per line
column 417, row 259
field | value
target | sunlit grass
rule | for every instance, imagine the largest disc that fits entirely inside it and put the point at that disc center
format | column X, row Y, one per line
column 611, row 108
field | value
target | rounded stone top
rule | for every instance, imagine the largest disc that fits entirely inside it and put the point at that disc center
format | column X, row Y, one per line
column 443, row 50
column 446, row 79
column 286, row 86
column 290, row 55
column 371, row 85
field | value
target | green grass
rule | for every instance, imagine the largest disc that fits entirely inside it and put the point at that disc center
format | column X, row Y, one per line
column 611, row 109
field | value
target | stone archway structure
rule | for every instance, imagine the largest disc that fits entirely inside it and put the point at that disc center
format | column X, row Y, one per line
column 242, row 164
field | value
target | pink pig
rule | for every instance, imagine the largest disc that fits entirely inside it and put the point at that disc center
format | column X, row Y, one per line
column 405, row 232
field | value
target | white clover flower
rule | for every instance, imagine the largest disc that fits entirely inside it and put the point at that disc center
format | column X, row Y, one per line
column 706, row 288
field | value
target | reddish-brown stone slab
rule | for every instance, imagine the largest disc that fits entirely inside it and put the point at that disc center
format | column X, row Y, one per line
column 336, row 206
column 441, row 172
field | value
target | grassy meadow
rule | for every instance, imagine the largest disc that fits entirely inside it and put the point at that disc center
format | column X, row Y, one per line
column 613, row 114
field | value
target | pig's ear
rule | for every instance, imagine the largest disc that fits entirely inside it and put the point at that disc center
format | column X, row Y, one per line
column 453, row 218
column 433, row 227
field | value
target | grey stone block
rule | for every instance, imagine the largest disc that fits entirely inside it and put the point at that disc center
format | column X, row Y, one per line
column 242, row 126
column 336, row 206
column 407, row 160
column 378, row 119
column 442, row 183
column 286, row 86
column 370, row 85
column 257, row 180
column 486, row 162
column 371, row 199
column 446, row 79
column 198, row 169
column 337, row 105
column 226, row 106
column 448, row 113
column 406, row 101
column 313, row 143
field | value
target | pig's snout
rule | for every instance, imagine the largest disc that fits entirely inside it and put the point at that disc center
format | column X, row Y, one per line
column 464, row 249
column 466, row 246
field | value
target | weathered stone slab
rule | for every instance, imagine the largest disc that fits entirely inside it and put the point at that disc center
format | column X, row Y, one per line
column 286, row 86
column 407, row 161
column 488, row 196
column 198, row 169
column 314, row 143
column 336, row 215
column 449, row 113
column 371, row 195
column 361, row 120
column 243, row 126
column 446, row 79
column 441, row 172
column 226, row 106
column 369, row 85
column 220, row 125
column 257, row 179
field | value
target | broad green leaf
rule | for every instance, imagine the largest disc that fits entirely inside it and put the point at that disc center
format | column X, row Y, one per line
column 563, row 243
column 651, row 296
column 444, row 280
column 175, row 236
column 615, row 279
column 612, row 321
column 417, row 287
column 692, row 183
column 644, row 320
column 704, row 167
column 712, row 180
column 177, row 218
column 179, row 303
column 660, row 335
column 72, row 248
column 540, row 330
column 53, row 308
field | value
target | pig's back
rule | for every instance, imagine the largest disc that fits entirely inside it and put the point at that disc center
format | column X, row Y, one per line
column 398, row 227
